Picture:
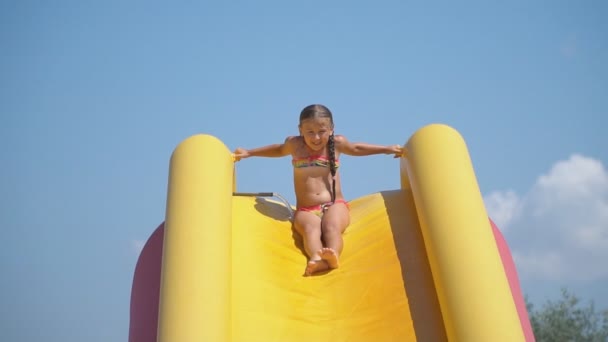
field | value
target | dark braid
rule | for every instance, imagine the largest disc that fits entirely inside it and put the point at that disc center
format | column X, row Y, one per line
column 332, row 165
column 320, row 111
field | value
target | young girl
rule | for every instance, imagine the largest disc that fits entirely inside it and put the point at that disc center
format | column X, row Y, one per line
column 322, row 213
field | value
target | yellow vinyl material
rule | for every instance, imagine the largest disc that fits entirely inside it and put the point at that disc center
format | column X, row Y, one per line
column 196, row 278
column 363, row 300
column 233, row 267
column 471, row 283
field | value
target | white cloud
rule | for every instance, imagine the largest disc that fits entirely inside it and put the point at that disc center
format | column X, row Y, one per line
column 546, row 264
column 559, row 229
column 503, row 206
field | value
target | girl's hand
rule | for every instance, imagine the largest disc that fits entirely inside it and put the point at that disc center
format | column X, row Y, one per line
column 241, row 153
column 397, row 150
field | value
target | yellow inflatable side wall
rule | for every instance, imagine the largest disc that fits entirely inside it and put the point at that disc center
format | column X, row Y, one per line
column 419, row 263
column 471, row 283
column 197, row 251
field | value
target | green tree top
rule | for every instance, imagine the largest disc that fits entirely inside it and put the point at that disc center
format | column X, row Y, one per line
column 566, row 320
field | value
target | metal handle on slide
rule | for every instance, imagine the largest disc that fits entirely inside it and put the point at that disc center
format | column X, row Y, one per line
column 266, row 194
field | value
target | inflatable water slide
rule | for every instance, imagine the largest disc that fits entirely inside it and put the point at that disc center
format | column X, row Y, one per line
column 420, row 263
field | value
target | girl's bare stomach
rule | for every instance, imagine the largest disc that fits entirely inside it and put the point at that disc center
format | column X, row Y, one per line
column 313, row 199
column 314, row 189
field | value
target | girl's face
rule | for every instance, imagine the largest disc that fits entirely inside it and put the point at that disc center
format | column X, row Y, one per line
column 316, row 132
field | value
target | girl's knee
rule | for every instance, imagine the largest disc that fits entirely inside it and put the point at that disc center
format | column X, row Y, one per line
column 331, row 229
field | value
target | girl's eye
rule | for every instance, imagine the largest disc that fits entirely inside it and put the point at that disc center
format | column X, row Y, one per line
column 312, row 134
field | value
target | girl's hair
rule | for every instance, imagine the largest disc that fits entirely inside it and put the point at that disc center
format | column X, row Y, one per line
column 320, row 111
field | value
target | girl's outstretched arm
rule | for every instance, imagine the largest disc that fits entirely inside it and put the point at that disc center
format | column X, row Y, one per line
column 273, row 151
column 365, row 149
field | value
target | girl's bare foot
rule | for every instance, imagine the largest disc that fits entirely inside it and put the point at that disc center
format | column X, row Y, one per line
column 315, row 266
column 330, row 256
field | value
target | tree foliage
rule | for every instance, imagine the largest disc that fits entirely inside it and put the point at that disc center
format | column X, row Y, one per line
column 566, row 319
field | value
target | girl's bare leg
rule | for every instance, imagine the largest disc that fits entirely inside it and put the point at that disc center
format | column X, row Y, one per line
column 335, row 221
column 308, row 225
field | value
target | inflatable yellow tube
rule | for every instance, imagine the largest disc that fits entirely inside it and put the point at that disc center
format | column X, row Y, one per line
column 473, row 290
column 196, row 275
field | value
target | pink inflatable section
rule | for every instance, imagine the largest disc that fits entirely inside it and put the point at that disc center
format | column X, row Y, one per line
column 511, row 272
column 146, row 289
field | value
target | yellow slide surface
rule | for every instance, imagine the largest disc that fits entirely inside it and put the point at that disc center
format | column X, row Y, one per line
column 363, row 300
column 419, row 262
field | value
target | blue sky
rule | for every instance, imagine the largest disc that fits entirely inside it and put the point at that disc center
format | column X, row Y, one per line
column 96, row 95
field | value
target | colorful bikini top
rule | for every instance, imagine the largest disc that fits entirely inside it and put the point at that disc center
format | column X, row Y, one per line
column 312, row 161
